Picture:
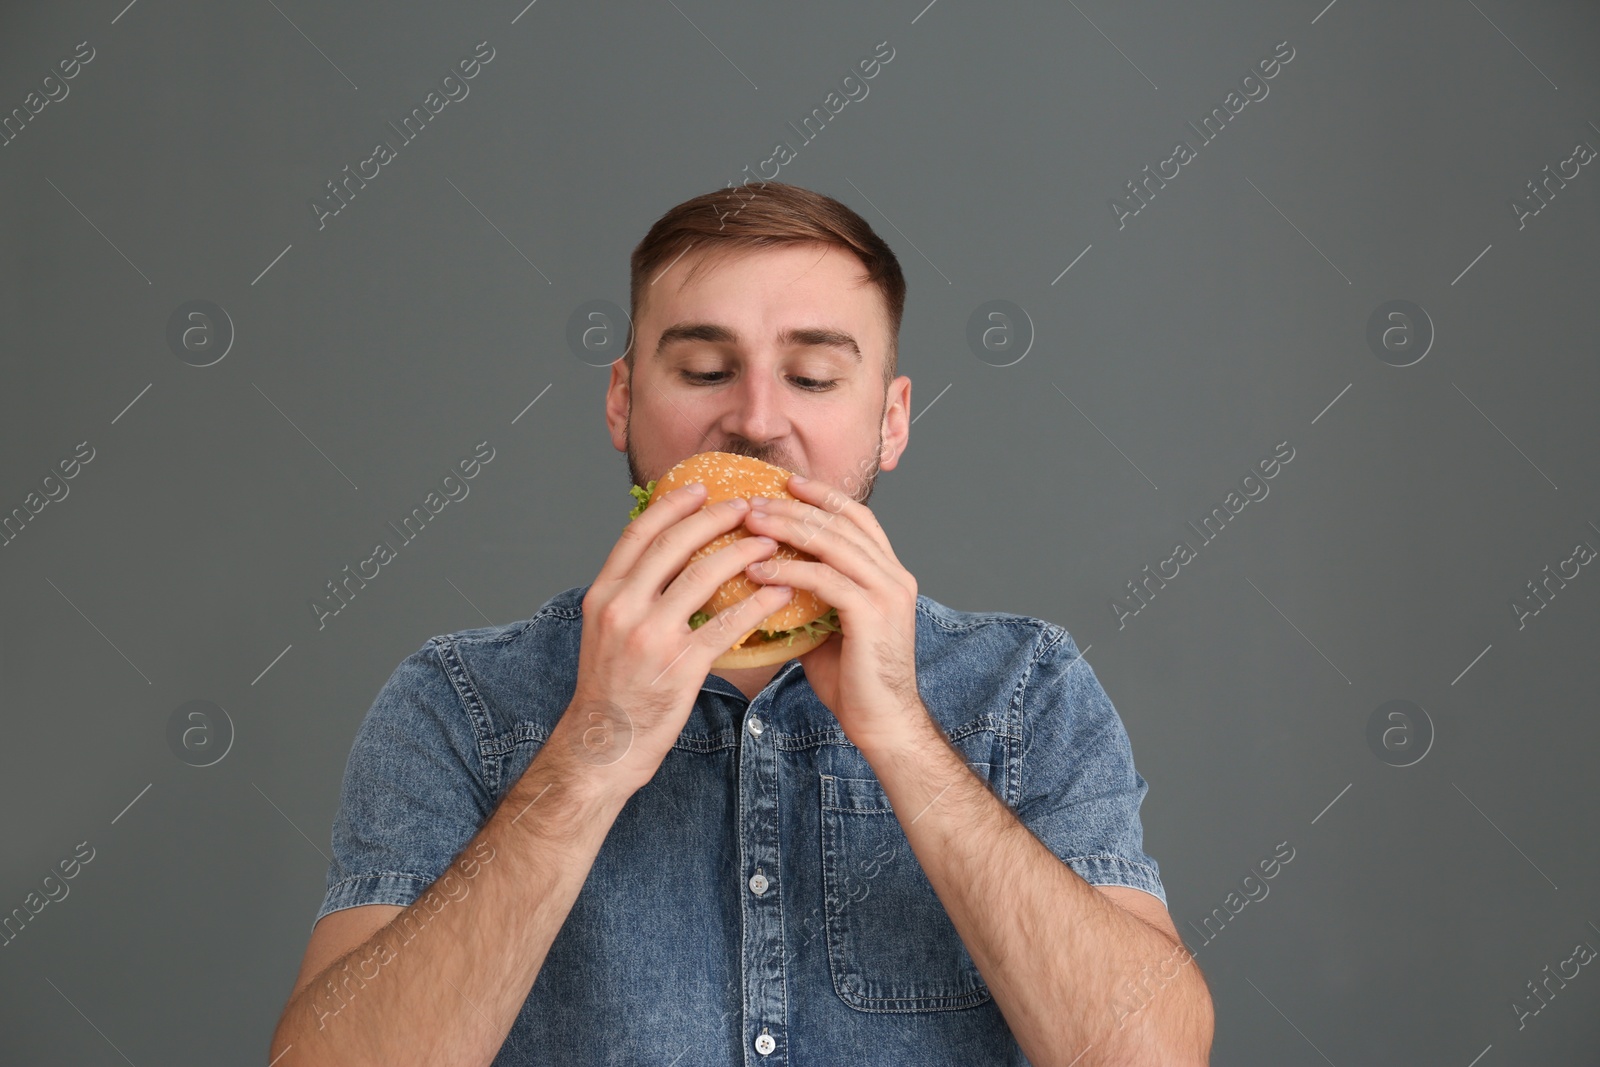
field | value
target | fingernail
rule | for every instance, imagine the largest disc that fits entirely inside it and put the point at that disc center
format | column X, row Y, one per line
column 757, row 501
column 695, row 488
column 766, row 540
column 798, row 479
column 738, row 503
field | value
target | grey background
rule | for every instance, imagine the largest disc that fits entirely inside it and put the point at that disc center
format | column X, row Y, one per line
column 1227, row 316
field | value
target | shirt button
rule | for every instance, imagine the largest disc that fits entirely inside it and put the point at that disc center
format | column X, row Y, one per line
column 758, row 883
column 755, row 726
column 765, row 1044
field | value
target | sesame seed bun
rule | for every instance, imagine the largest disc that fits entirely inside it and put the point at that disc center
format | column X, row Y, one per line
column 727, row 476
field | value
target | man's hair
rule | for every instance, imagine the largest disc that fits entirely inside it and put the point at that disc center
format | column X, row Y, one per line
column 764, row 216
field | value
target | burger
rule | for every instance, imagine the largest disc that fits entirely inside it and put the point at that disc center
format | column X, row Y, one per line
column 804, row 622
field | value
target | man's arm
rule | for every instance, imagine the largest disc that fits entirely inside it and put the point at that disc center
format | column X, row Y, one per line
column 443, row 981
column 1059, row 957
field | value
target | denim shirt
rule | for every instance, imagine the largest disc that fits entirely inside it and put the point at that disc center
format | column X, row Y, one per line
column 757, row 902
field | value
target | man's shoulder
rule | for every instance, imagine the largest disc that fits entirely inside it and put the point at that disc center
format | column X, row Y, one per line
column 948, row 628
column 968, row 657
column 515, row 676
column 564, row 607
column 545, row 642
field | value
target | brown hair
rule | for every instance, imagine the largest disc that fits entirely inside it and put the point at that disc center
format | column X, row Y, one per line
column 764, row 216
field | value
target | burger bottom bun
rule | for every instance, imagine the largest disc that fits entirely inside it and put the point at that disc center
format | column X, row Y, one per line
column 758, row 653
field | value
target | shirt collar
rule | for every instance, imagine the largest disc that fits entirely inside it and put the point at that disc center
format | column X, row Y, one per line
column 716, row 684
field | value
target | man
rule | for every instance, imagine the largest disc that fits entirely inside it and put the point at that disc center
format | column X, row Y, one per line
column 567, row 840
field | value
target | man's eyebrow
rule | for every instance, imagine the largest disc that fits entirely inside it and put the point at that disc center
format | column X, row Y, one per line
column 798, row 337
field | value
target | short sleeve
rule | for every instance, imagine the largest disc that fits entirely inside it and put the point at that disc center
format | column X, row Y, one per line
column 1079, row 788
column 413, row 794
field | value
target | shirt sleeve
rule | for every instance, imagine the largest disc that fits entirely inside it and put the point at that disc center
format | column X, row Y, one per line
column 1080, row 791
column 413, row 794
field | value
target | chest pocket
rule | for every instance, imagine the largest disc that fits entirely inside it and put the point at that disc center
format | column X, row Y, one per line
column 891, row 945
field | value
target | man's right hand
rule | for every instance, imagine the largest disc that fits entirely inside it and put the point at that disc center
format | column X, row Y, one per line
column 640, row 665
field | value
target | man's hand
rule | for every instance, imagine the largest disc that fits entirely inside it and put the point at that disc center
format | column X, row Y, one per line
column 640, row 664
column 867, row 674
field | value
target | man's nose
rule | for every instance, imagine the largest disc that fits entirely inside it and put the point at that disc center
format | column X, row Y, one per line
column 756, row 411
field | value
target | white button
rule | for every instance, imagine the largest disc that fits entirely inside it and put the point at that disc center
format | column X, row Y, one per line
column 755, row 726
column 765, row 1044
column 758, row 883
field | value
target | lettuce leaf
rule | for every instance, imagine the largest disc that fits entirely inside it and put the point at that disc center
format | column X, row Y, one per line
column 643, row 498
column 828, row 623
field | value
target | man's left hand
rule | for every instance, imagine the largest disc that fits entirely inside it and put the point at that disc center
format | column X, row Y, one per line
column 867, row 673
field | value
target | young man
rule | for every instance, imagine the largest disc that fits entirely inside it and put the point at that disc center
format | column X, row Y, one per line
column 567, row 840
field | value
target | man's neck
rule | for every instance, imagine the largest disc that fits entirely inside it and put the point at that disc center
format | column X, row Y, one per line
column 749, row 680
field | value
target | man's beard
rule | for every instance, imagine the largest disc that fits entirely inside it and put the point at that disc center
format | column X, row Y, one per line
column 740, row 447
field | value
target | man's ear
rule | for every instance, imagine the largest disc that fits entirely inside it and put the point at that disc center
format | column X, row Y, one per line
column 619, row 397
column 896, row 423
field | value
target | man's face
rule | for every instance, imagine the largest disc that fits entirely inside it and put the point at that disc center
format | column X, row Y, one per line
column 737, row 360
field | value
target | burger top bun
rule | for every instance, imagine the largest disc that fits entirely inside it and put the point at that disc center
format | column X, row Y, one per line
column 726, row 476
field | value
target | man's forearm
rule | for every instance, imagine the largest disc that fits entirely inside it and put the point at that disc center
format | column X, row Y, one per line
column 442, row 983
column 1057, row 954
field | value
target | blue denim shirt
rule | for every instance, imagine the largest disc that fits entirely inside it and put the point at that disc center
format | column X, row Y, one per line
column 757, row 902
